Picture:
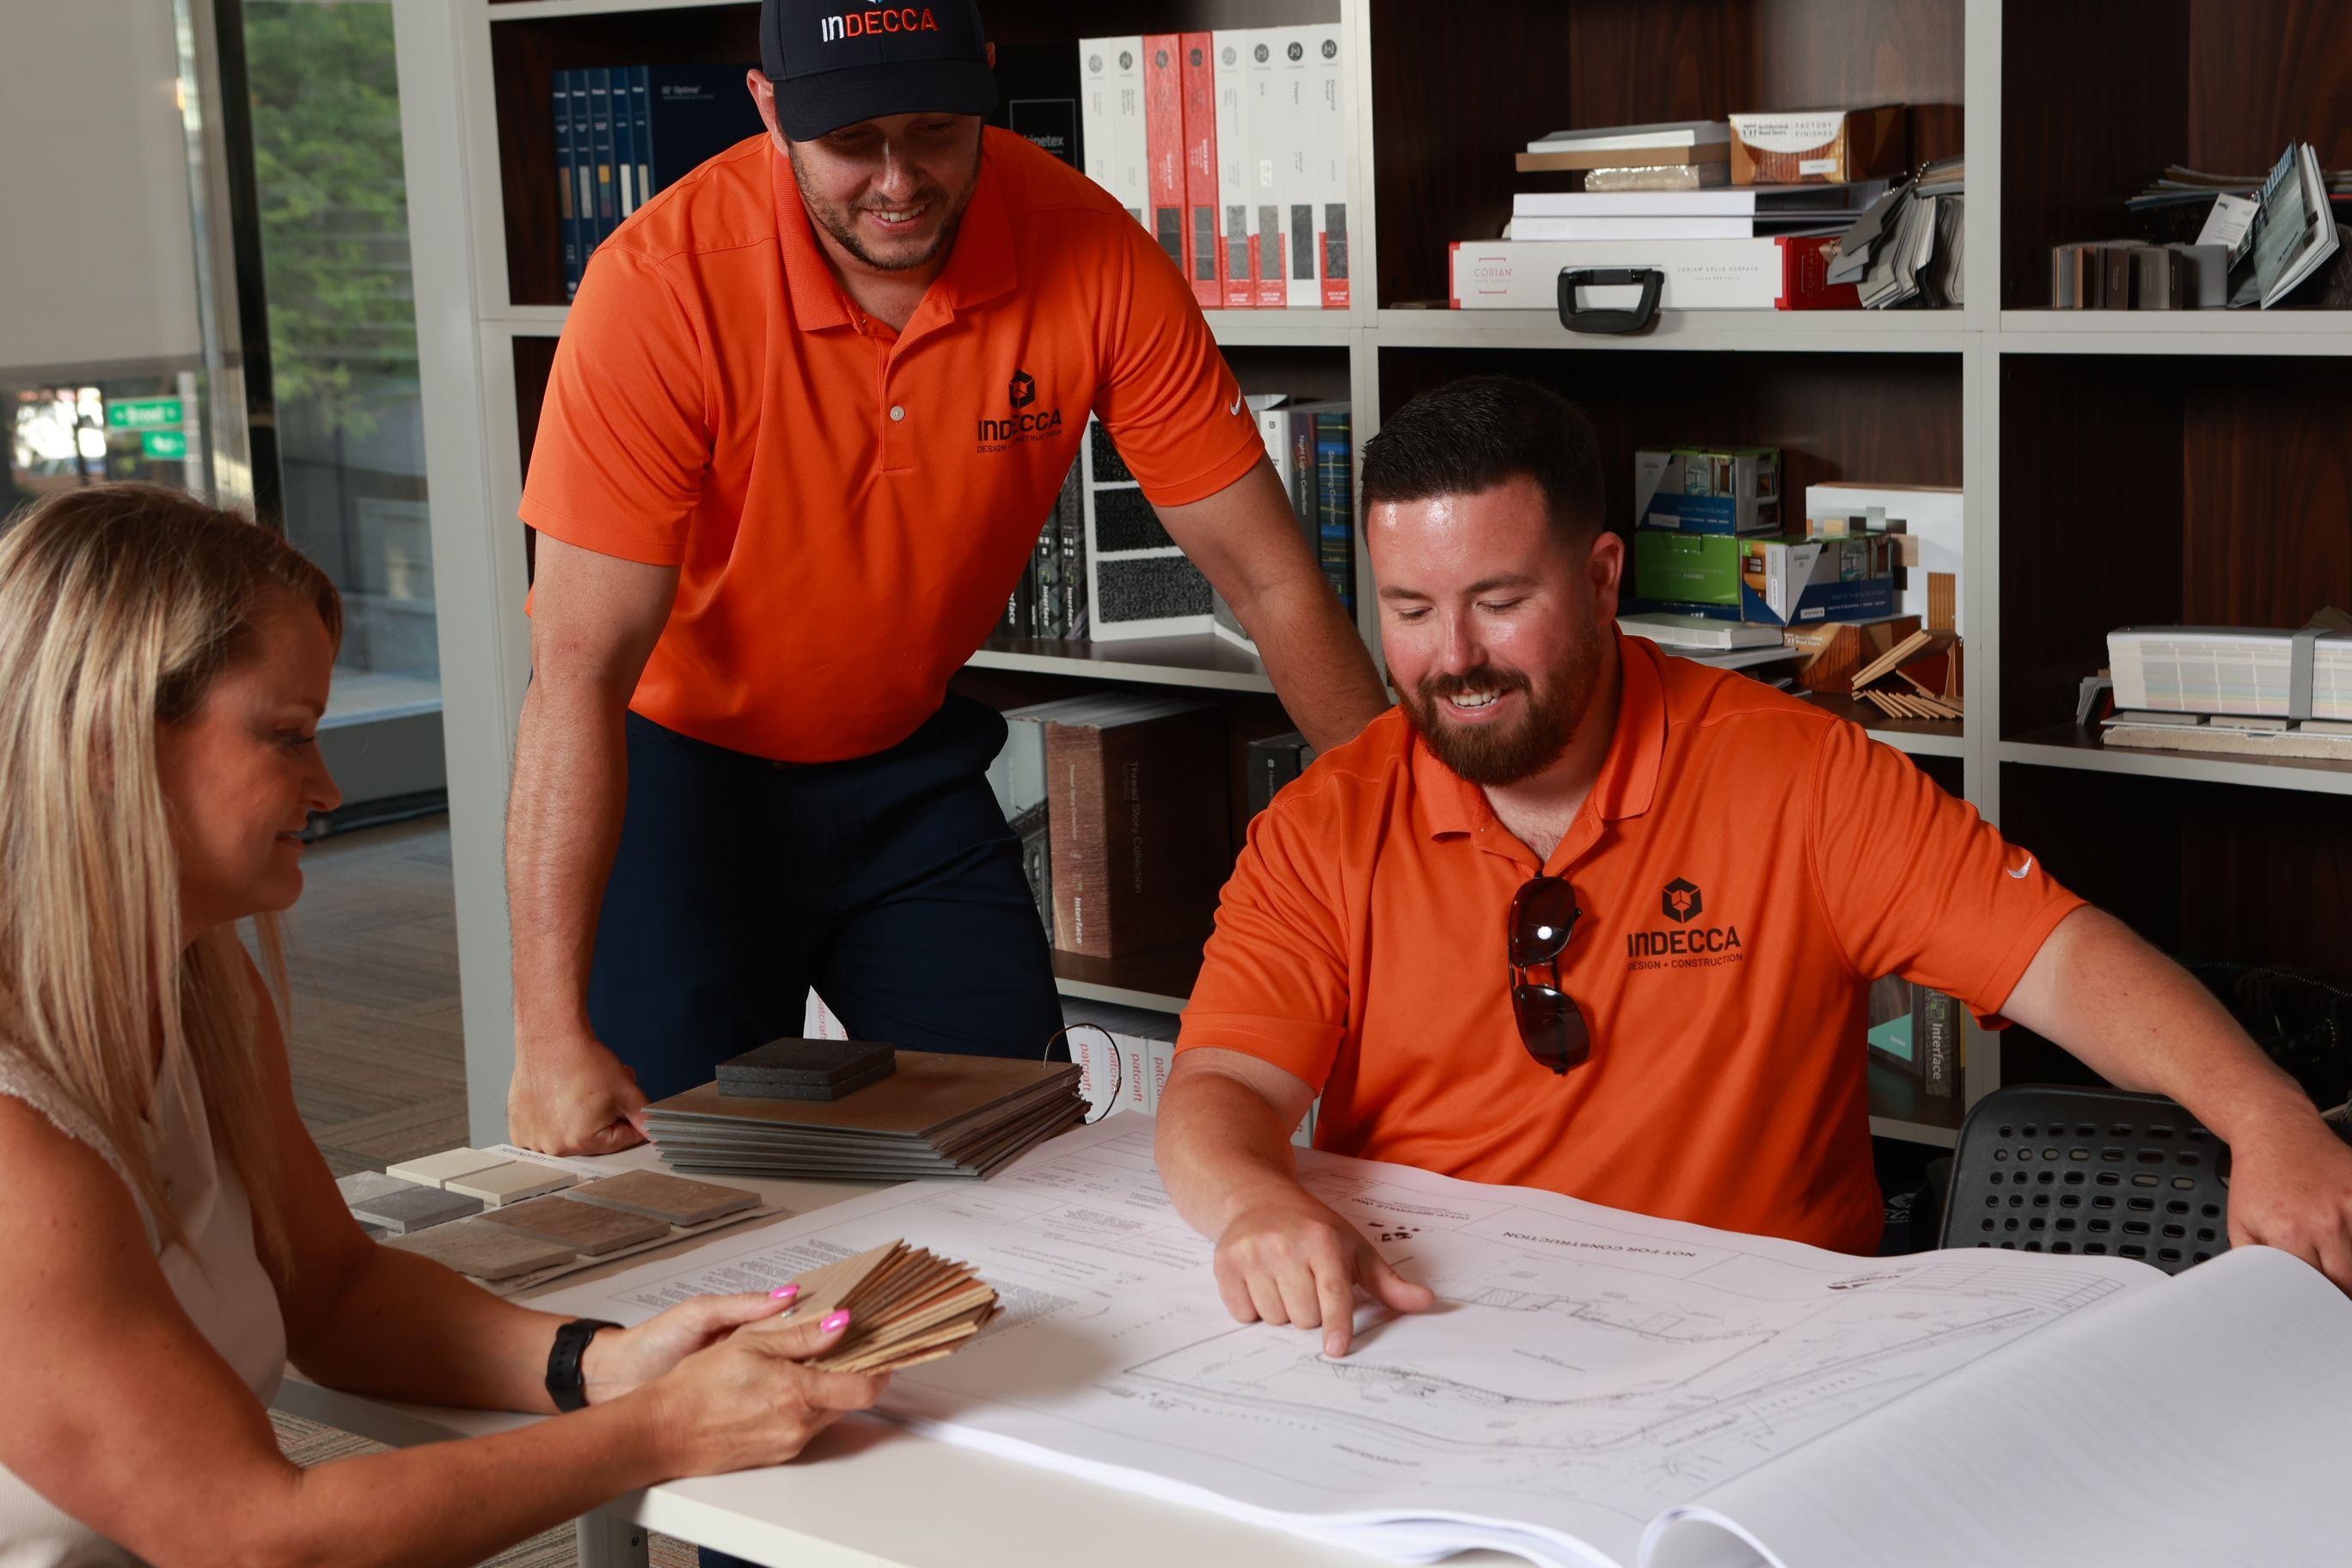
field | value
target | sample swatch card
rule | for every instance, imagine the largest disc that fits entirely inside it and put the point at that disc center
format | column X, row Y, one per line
column 508, row 1183
column 672, row 1198
column 414, row 1209
column 435, row 1170
column 484, row 1250
column 586, row 1228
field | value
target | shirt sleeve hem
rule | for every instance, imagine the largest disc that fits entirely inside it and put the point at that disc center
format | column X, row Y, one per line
column 1306, row 1059
column 1207, row 483
column 2014, row 964
column 648, row 546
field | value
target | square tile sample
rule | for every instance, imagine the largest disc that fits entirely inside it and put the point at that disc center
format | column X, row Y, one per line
column 510, row 1182
column 434, row 1170
column 414, row 1210
column 585, row 1228
column 362, row 1186
column 484, row 1250
column 672, row 1198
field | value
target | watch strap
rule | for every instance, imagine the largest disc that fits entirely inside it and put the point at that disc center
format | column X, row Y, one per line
column 564, row 1384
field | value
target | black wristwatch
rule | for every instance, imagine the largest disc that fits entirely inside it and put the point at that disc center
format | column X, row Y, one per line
column 564, row 1381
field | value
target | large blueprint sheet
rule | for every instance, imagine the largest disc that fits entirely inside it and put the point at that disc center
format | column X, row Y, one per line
column 1586, row 1370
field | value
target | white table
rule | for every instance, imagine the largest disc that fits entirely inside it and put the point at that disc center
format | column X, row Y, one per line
column 865, row 1493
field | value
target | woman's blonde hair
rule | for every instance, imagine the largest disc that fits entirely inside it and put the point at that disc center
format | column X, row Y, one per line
column 119, row 606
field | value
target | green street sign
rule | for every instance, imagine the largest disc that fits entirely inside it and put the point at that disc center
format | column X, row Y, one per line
column 164, row 443
column 143, row 413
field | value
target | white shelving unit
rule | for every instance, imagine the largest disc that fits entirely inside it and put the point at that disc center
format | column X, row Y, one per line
column 469, row 327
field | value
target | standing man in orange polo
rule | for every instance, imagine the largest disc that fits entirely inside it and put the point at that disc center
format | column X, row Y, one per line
column 812, row 406
column 1583, row 917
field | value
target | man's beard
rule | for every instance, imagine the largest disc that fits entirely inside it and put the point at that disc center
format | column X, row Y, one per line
column 1505, row 753
column 842, row 222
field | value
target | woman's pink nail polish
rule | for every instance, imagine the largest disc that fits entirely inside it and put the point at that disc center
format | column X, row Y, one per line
column 838, row 1320
column 783, row 1293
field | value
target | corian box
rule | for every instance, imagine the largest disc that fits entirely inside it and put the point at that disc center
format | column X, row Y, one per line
column 1928, row 513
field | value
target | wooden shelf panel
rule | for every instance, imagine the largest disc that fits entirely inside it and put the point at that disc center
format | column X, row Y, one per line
column 1204, row 661
column 1159, row 980
column 2161, row 491
column 2205, row 869
column 1790, row 332
column 2066, row 746
column 1453, row 99
column 2218, row 85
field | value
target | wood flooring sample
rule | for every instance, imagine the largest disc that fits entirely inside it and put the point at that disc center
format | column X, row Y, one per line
column 673, row 1198
column 484, row 1250
column 586, row 1228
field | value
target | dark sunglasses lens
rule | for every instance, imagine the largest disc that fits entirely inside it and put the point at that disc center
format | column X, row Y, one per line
column 1550, row 1026
column 1542, row 914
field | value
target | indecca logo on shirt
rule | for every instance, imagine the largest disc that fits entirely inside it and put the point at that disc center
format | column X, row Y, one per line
column 881, row 19
column 1025, row 422
column 1684, row 945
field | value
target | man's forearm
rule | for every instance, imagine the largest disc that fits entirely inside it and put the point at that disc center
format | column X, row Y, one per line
column 1246, row 539
column 563, row 824
column 2142, row 1022
column 1221, row 1148
column 1317, row 660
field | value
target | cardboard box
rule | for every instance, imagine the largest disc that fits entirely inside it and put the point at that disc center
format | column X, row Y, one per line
column 1708, row 490
column 1686, row 568
column 1789, row 581
column 1818, row 146
column 1930, row 514
column 1781, row 581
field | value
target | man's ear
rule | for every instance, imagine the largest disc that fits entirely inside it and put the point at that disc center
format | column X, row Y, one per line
column 764, row 96
column 992, row 56
column 1605, row 568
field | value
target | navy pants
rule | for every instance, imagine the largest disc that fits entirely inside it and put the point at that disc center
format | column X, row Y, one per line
column 891, row 883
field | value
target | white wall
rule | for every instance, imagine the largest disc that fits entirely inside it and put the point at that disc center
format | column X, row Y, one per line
column 96, row 258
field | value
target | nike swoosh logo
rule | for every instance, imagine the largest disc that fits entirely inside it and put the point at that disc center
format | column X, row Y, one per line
column 2021, row 870
column 1236, row 408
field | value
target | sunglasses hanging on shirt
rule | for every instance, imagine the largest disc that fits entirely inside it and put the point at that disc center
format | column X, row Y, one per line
column 1543, row 917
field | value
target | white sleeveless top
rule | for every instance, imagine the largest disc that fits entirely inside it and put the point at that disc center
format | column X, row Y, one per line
column 217, row 1277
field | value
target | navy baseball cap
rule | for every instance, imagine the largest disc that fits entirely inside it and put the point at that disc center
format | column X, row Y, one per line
column 835, row 63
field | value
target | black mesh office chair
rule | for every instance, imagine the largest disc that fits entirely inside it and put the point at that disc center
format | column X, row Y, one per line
column 2040, row 1168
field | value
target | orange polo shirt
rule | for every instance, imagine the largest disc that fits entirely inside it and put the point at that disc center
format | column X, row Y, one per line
column 1360, row 945
column 849, row 507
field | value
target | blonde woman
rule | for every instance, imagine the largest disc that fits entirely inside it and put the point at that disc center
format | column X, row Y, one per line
column 168, row 1234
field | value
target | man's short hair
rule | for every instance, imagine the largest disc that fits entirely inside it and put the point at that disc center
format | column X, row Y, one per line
column 1471, row 435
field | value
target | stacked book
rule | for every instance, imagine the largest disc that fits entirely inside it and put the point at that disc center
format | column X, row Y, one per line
column 1679, row 155
column 1664, row 196
column 623, row 133
column 1105, row 571
column 1141, row 790
column 936, row 1115
column 1233, row 148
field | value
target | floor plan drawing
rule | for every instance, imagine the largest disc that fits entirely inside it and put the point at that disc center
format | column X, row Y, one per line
column 1584, row 1369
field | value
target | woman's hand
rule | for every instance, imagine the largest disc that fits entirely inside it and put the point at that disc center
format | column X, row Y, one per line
column 748, row 1401
column 619, row 1360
